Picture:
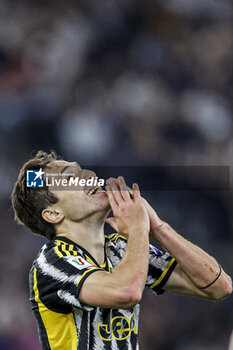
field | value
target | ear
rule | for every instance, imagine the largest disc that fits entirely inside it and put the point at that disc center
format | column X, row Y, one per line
column 51, row 215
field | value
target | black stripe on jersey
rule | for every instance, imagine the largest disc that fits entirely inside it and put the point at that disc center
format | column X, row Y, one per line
column 59, row 247
column 40, row 325
column 115, row 252
column 154, row 271
column 108, row 265
column 108, row 345
column 72, row 250
column 134, row 340
column 85, row 332
column 49, row 298
column 65, row 249
column 92, row 337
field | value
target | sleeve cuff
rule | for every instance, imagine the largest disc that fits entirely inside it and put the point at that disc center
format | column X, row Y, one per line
column 80, row 283
column 160, row 282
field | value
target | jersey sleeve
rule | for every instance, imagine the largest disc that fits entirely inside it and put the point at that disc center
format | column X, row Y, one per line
column 58, row 278
column 161, row 265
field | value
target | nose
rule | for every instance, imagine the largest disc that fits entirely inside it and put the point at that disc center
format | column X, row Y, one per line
column 86, row 174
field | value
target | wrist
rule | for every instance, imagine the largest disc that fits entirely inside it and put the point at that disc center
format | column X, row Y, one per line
column 161, row 229
column 156, row 225
column 138, row 232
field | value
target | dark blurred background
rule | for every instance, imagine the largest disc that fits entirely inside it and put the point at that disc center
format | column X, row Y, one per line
column 120, row 83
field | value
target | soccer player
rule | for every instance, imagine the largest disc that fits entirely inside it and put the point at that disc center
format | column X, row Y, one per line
column 85, row 287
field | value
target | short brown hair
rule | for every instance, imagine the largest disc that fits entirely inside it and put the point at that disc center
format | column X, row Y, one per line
column 28, row 203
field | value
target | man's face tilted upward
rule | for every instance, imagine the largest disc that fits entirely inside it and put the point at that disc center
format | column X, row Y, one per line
column 76, row 202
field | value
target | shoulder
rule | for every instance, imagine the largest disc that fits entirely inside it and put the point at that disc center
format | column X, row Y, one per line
column 44, row 261
column 46, row 252
column 56, row 249
column 57, row 256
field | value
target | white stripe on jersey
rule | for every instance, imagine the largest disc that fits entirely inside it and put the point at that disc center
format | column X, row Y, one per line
column 68, row 298
column 78, row 315
column 97, row 340
column 48, row 269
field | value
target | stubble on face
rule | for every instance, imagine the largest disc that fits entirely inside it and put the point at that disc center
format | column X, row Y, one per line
column 74, row 201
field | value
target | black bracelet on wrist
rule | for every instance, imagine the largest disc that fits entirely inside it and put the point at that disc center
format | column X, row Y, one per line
column 213, row 280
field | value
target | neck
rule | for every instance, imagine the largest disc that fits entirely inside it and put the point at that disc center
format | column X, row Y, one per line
column 88, row 234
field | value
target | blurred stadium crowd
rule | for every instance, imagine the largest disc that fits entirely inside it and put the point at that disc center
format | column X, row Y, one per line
column 120, row 83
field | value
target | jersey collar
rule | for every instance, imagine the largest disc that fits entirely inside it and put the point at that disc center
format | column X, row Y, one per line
column 106, row 264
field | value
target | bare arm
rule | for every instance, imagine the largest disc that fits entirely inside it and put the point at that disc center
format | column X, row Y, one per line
column 196, row 270
column 124, row 286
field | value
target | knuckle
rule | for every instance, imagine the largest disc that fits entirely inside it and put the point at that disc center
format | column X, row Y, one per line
column 116, row 213
column 123, row 208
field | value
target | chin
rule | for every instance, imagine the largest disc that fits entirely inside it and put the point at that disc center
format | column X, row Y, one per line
column 102, row 199
column 104, row 207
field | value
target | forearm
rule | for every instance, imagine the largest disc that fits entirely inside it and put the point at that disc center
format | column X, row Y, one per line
column 199, row 266
column 197, row 273
column 132, row 270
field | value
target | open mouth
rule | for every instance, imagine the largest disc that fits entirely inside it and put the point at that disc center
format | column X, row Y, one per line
column 94, row 190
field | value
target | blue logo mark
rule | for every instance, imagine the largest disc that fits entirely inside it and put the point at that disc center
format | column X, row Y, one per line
column 35, row 178
column 154, row 249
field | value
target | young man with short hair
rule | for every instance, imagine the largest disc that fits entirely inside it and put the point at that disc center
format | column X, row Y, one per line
column 85, row 287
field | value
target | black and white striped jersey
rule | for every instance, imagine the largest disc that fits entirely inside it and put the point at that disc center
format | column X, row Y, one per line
column 64, row 323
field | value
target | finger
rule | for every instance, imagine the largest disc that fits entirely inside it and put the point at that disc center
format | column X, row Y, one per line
column 113, row 184
column 136, row 191
column 123, row 188
column 130, row 191
column 108, row 180
column 111, row 199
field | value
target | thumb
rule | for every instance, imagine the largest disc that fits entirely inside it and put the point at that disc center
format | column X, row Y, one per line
column 112, row 223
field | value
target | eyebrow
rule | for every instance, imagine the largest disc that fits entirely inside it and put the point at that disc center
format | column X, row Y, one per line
column 64, row 168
